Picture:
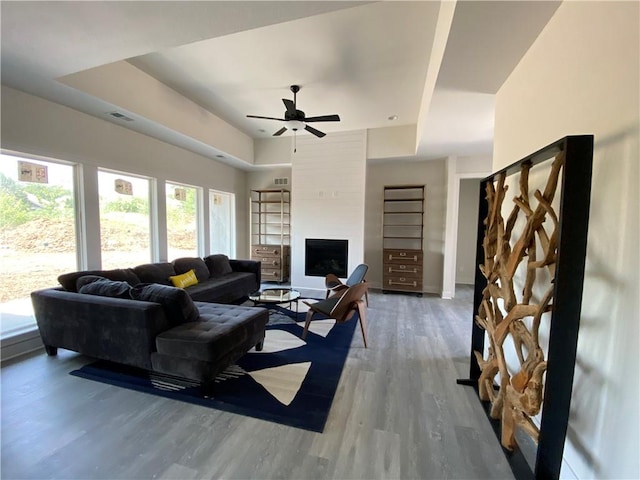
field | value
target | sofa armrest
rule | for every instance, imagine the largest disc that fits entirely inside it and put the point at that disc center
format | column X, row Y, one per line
column 115, row 329
column 250, row 266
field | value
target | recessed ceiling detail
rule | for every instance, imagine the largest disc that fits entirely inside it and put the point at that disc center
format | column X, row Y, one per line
column 193, row 87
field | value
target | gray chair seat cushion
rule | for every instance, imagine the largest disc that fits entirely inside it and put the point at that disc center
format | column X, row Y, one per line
column 220, row 330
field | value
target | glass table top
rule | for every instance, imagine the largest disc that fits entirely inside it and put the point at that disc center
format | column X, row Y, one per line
column 275, row 295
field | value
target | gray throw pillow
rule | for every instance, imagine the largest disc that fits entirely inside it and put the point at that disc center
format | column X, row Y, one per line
column 86, row 280
column 177, row 303
column 218, row 265
column 155, row 272
column 183, row 265
column 68, row 280
column 107, row 288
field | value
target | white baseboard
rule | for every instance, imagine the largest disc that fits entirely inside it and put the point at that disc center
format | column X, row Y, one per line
column 20, row 344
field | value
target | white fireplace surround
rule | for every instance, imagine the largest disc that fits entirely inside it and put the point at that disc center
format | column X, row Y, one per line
column 328, row 184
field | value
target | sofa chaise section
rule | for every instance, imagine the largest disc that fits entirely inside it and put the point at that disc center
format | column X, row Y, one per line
column 115, row 329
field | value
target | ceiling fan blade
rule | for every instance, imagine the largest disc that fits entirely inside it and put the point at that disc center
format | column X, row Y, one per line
column 291, row 107
column 280, row 132
column 317, row 133
column 323, row 118
column 266, row 118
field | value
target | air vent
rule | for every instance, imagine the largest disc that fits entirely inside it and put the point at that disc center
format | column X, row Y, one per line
column 281, row 181
column 121, row 116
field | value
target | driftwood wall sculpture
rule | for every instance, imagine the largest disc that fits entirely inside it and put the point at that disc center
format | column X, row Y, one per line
column 505, row 314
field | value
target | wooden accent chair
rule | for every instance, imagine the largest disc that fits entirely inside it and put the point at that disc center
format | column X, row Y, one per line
column 342, row 308
column 335, row 286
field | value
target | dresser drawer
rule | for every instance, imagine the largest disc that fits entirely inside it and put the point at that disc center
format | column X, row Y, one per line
column 268, row 261
column 402, row 270
column 407, row 257
column 259, row 251
column 271, row 274
column 408, row 284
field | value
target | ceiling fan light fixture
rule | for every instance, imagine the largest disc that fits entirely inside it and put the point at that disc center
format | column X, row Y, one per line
column 294, row 125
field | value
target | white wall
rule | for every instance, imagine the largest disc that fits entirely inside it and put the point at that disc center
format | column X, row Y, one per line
column 328, row 180
column 457, row 170
column 390, row 142
column 264, row 179
column 273, row 151
column 433, row 175
column 467, row 231
column 35, row 126
column 581, row 77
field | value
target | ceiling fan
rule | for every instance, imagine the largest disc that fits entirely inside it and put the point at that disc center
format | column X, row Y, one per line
column 295, row 119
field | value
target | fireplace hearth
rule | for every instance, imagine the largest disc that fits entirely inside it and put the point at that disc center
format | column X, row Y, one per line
column 323, row 256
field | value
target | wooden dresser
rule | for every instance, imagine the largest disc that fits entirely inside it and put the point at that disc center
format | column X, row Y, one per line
column 402, row 270
column 402, row 237
column 275, row 261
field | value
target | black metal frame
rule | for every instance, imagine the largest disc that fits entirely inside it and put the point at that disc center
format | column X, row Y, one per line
column 573, row 220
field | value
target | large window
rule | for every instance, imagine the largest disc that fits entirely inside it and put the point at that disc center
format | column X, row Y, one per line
column 222, row 225
column 37, row 234
column 182, row 221
column 124, row 220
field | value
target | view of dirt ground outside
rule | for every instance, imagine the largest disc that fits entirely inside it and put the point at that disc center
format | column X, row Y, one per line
column 182, row 221
column 38, row 238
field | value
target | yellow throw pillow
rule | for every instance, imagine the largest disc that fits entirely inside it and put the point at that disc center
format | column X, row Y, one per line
column 185, row 280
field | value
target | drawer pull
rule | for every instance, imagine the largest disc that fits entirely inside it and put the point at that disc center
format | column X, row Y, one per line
column 403, row 270
column 267, row 250
column 403, row 254
column 402, row 282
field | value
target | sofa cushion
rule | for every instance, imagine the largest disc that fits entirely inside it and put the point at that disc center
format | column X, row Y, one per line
column 106, row 288
column 155, row 273
column 68, row 280
column 221, row 329
column 226, row 289
column 218, row 265
column 185, row 280
column 177, row 304
column 184, row 264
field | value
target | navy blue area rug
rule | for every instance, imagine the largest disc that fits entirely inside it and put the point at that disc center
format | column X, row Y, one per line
column 291, row 381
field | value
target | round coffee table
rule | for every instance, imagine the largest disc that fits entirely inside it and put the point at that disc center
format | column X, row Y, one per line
column 276, row 296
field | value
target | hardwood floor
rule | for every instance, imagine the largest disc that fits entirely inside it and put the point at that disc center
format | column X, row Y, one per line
column 398, row 413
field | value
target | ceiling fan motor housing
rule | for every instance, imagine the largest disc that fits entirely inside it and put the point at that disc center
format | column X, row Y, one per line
column 299, row 115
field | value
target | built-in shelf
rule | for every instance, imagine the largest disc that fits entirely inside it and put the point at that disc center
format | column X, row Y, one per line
column 270, row 212
column 402, row 242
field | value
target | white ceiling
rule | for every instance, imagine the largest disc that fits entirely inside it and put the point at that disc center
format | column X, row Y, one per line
column 365, row 61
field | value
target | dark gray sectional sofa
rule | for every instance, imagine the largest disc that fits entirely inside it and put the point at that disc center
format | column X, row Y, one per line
column 135, row 317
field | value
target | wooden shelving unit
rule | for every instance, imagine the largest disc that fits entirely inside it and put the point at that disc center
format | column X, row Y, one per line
column 271, row 232
column 402, row 238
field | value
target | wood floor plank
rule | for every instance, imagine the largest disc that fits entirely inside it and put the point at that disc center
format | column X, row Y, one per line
column 397, row 413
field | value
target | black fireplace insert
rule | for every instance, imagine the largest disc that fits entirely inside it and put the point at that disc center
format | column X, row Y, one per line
column 324, row 256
